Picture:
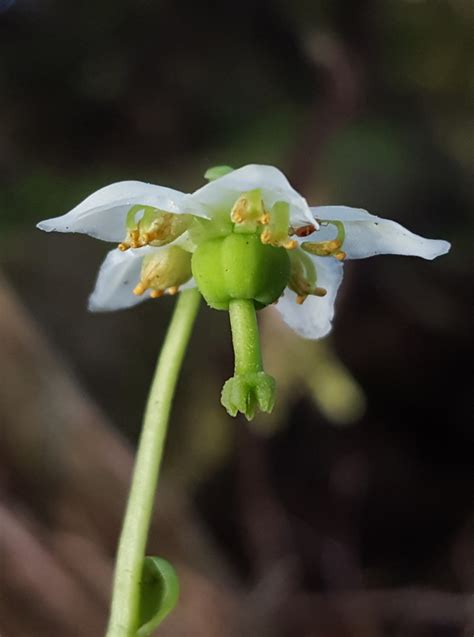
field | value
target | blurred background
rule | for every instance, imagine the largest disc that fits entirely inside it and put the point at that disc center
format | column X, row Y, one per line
column 349, row 511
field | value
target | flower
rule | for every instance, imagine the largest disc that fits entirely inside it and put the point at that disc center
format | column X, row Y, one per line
column 158, row 230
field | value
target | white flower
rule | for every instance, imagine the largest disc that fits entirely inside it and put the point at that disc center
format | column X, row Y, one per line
column 146, row 215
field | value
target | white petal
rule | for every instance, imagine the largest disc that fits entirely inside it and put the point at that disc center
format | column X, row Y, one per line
column 368, row 235
column 222, row 193
column 118, row 275
column 313, row 318
column 103, row 214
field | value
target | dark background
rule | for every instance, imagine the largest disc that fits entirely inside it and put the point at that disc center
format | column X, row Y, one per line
column 349, row 511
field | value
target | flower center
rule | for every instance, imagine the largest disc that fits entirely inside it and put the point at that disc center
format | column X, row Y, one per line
column 150, row 226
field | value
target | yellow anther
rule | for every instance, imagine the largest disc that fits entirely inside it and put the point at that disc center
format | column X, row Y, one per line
column 301, row 298
column 325, row 249
column 237, row 216
column 248, row 211
column 333, row 245
column 132, row 240
column 319, row 292
column 268, row 238
column 276, row 231
column 157, row 293
column 331, row 248
column 237, row 213
column 155, row 227
column 141, row 287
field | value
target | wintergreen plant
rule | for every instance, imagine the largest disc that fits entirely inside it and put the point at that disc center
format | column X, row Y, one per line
column 244, row 241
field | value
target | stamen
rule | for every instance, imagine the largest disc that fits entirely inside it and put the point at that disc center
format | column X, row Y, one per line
column 156, row 294
column 319, row 292
column 303, row 277
column 331, row 248
column 132, row 240
column 301, row 298
column 247, row 212
column 276, row 231
column 154, row 227
column 164, row 271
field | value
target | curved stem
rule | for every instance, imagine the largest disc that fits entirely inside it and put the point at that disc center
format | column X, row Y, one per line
column 245, row 336
column 124, row 614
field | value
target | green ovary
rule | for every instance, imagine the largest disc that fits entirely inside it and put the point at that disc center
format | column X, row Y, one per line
column 240, row 266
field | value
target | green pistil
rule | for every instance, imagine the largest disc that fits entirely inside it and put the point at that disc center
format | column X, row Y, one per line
column 250, row 388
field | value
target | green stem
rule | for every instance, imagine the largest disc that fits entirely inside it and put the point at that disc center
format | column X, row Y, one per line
column 124, row 614
column 245, row 336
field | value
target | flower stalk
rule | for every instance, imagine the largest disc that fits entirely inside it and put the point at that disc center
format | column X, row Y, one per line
column 125, row 609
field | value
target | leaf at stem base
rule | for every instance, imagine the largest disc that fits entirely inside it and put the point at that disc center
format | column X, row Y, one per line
column 159, row 594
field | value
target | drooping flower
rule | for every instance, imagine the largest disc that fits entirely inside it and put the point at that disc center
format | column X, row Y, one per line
column 246, row 239
column 157, row 229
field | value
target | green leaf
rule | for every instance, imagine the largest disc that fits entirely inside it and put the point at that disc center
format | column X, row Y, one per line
column 159, row 594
